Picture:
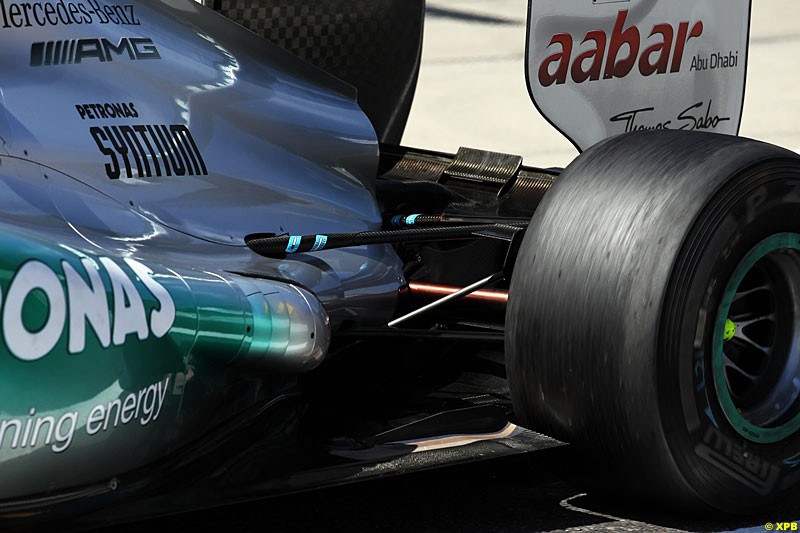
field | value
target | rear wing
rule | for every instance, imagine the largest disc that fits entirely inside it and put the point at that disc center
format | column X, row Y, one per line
column 598, row 68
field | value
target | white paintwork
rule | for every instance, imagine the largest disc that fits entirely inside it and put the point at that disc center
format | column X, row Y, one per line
column 596, row 69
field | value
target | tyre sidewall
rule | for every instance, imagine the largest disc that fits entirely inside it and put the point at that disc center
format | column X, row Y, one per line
column 724, row 468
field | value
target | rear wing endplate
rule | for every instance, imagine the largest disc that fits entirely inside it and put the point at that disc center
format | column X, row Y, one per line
column 597, row 68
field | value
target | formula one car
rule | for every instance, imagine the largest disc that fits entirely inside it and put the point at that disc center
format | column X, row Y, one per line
column 223, row 278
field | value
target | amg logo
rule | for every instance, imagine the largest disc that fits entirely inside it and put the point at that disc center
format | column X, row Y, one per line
column 76, row 50
column 146, row 151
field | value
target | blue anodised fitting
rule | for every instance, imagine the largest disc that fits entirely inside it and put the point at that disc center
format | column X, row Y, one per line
column 319, row 242
column 294, row 244
column 398, row 221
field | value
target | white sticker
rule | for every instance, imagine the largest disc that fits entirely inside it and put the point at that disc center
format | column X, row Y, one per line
column 161, row 319
column 84, row 299
column 129, row 315
column 600, row 68
column 88, row 304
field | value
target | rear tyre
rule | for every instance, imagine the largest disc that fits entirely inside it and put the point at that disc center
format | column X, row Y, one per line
column 654, row 318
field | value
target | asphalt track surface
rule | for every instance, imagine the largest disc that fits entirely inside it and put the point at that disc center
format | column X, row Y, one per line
column 471, row 92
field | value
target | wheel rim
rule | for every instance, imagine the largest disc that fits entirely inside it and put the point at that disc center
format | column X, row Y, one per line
column 756, row 344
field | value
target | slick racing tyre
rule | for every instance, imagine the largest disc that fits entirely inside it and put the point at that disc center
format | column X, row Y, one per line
column 654, row 318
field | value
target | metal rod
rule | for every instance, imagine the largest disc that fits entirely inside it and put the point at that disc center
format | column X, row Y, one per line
column 454, row 296
column 439, row 290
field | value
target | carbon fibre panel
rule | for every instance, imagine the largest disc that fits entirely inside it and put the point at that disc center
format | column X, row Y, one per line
column 374, row 45
column 522, row 441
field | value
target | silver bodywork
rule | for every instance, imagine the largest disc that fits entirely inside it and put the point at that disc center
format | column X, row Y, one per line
column 284, row 146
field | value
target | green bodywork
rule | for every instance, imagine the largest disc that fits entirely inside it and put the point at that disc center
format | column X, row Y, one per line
column 93, row 376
